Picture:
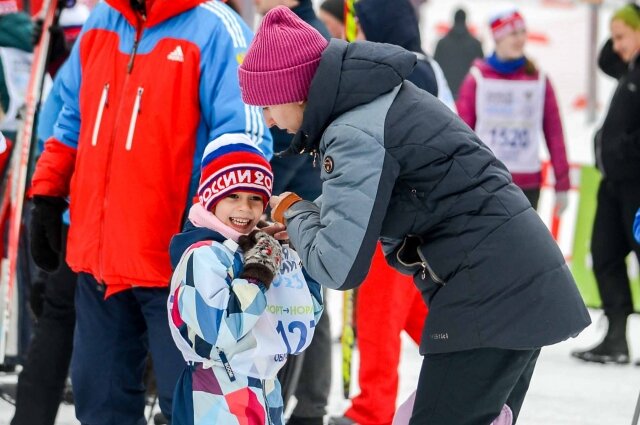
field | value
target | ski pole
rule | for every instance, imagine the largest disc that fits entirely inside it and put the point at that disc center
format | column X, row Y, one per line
column 636, row 414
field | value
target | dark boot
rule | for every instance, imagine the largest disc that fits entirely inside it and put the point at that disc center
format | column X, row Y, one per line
column 614, row 348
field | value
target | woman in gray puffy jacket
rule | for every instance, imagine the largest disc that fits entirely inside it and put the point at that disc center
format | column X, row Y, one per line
column 399, row 167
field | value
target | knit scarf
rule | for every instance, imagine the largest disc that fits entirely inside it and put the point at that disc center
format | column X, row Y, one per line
column 200, row 217
column 506, row 66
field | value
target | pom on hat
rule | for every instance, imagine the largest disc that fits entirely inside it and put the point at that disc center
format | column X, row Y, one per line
column 233, row 163
column 505, row 22
column 281, row 61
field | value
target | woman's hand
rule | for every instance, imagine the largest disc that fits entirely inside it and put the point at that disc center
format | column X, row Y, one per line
column 276, row 199
column 277, row 230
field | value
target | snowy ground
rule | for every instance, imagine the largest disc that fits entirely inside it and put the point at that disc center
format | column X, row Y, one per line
column 564, row 391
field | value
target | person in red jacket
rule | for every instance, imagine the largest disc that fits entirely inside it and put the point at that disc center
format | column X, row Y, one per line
column 147, row 86
column 512, row 107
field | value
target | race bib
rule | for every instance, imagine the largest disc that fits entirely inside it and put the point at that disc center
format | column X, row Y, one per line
column 509, row 120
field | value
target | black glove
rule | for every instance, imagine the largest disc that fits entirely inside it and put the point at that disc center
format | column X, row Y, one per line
column 46, row 231
column 262, row 257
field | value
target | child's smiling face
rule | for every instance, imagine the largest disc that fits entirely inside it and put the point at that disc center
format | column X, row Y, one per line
column 240, row 210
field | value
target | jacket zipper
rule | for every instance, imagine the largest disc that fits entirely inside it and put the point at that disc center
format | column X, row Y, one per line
column 134, row 50
column 424, row 264
column 107, row 175
column 134, row 118
column 266, row 403
column 426, row 267
column 103, row 103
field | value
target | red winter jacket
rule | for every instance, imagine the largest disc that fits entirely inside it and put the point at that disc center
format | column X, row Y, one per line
column 142, row 98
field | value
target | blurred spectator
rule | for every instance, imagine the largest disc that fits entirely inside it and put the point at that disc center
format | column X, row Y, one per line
column 617, row 147
column 331, row 14
column 15, row 64
column 456, row 51
column 15, row 68
column 512, row 107
column 396, row 23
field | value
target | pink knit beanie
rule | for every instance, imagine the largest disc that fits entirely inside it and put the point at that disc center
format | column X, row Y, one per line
column 281, row 61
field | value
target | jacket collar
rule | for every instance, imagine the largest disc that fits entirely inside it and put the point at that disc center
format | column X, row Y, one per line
column 160, row 10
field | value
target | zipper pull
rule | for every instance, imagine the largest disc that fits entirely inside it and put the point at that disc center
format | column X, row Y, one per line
column 424, row 270
column 132, row 56
column 315, row 157
column 136, row 40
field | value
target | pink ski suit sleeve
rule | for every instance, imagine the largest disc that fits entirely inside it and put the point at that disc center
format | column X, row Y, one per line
column 466, row 102
column 553, row 133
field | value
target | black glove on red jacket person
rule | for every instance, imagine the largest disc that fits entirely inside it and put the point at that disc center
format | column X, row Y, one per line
column 45, row 231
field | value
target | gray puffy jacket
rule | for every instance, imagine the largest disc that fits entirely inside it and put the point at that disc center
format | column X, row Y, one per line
column 400, row 167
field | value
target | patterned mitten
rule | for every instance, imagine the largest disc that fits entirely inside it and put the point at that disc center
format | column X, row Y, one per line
column 262, row 256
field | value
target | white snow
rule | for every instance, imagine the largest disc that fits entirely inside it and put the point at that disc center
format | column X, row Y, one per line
column 564, row 391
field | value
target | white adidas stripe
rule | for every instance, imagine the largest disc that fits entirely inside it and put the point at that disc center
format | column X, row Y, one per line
column 254, row 123
column 235, row 22
column 228, row 20
column 260, row 124
column 247, row 122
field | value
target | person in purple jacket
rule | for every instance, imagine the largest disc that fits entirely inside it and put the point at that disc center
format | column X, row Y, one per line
column 512, row 107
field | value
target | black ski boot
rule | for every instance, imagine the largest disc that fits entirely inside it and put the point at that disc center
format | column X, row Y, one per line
column 613, row 349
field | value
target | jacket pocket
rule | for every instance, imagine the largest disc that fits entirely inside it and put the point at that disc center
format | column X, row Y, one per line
column 410, row 255
column 134, row 119
column 104, row 98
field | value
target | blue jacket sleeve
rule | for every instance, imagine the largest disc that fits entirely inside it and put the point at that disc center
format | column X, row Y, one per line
column 67, row 125
column 636, row 227
column 221, row 101
column 49, row 112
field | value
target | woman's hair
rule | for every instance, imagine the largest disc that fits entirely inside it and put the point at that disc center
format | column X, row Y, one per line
column 629, row 14
column 530, row 67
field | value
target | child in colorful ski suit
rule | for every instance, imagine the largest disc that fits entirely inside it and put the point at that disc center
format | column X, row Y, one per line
column 239, row 303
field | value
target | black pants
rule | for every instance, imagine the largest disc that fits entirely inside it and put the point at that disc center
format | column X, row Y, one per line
column 42, row 380
column 470, row 387
column 612, row 241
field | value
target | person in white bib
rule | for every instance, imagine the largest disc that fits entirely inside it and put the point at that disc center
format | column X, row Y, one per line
column 512, row 107
column 239, row 303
